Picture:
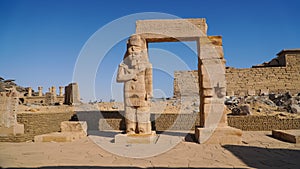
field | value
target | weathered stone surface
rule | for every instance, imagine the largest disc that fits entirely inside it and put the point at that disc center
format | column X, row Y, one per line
column 70, row 131
column 186, row 84
column 59, row 137
column 219, row 135
column 8, row 113
column 73, row 126
column 167, row 30
column 136, row 138
column 239, row 82
column 210, row 48
column 279, row 79
column 72, row 96
column 215, row 40
column 292, row 136
column 136, row 73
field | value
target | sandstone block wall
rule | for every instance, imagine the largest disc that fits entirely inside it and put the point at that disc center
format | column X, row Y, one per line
column 41, row 99
column 114, row 120
column 36, row 124
column 263, row 123
column 186, row 84
column 42, row 123
column 275, row 79
column 189, row 121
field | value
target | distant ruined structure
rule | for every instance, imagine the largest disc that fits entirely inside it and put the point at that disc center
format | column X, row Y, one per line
column 70, row 96
column 49, row 98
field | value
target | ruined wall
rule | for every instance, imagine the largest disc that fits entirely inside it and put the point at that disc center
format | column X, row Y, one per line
column 36, row 124
column 186, row 84
column 164, row 122
column 49, row 98
column 279, row 79
column 42, row 123
column 275, row 79
column 114, row 120
column 72, row 96
column 263, row 123
column 42, row 100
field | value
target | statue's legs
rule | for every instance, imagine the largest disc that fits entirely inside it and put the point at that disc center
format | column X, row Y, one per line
column 131, row 120
column 143, row 120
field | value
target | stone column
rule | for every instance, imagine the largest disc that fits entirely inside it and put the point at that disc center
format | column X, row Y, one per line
column 61, row 91
column 40, row 88
column 29, row 92
column 53, row 90
column 212, row 84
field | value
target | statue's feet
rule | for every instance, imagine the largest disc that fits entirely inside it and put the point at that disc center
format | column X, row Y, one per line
column 130, row 132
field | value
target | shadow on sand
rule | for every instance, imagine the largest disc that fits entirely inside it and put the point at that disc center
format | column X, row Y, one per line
column 258, row 157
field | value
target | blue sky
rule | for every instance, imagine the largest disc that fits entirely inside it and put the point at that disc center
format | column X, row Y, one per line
column 41, row 40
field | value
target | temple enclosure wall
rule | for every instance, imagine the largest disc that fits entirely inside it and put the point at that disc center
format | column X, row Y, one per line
column 42, row 123
column 279, row 79
column 280, row 75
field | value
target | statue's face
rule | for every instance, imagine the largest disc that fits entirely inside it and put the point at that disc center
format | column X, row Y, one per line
column 134, row 51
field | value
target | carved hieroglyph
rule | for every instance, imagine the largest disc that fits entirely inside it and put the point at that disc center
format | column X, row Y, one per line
column 136, row 73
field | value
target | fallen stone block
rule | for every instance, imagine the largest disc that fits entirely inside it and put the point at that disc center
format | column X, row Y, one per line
column 292, row 136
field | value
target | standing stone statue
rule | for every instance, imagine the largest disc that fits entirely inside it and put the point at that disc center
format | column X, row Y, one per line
column 136, row 73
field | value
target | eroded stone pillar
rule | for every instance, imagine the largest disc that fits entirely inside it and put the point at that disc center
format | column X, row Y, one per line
column 53, row 90
column 61, row 91
column 72, row 96
column 212, row 84
column 29, row 92
column 40, row 89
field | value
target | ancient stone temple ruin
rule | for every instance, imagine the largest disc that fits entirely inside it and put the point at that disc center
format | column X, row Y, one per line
column 66, row 95
column 211, row 73
column 72, row 96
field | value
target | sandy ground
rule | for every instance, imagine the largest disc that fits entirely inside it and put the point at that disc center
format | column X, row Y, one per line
column 257, row 151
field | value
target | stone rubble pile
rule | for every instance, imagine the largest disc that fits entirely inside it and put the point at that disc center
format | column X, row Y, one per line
column 247, row 105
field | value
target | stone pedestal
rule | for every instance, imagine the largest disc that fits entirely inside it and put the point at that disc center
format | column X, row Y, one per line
column 136, row 138
column 221, row 135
